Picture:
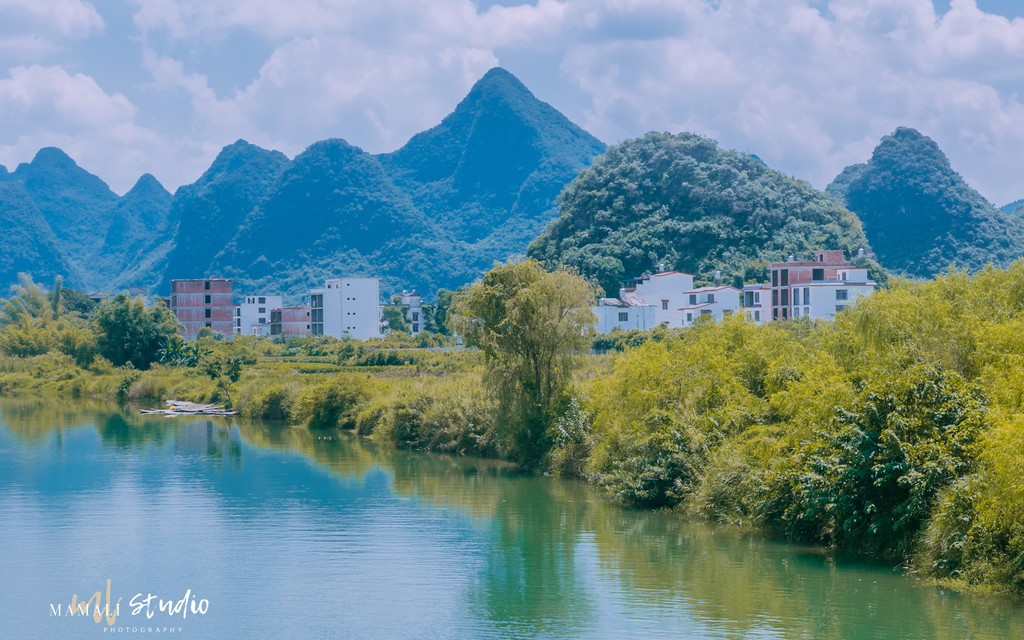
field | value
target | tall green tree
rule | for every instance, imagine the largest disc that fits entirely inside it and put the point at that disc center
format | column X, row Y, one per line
column 530, row 324
column 129, row 331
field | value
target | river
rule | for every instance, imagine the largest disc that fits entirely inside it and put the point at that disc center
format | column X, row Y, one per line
column 249, row 530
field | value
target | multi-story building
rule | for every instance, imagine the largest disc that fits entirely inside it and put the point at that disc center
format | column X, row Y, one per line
column 613, row 314
column 203, row 303
column 663, row 290
column 290, row 321
column 254, row 312
column 709, row 302
column 756, row 299
column 819, row 288
column 346, row 307
column 413, row 311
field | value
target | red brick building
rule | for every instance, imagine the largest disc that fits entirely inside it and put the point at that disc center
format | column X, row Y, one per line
column 203, row 303
column 289, row 321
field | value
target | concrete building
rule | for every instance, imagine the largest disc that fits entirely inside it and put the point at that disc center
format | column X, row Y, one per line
column 756, row 302
column 203, row 303
column 613, row 314
column 346, row 307
column 709, row 302
column 413, row 311
column 253, row 312
column 819, row 288
column 290, row 321
column 663, row 291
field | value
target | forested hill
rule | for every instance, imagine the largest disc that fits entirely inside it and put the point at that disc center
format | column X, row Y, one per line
column 919, row 214
column 683, row 201
column 475, row 189
column 56, row 218
column 490, row 172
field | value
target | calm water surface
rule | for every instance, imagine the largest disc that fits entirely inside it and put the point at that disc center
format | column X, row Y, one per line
column 285, row 535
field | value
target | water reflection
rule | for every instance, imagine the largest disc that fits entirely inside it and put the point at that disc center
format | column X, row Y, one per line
column 421, row 544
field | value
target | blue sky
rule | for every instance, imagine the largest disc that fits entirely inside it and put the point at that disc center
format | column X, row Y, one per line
column 159, row 86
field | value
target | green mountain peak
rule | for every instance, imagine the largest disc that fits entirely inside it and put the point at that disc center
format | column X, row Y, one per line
column 920, row 215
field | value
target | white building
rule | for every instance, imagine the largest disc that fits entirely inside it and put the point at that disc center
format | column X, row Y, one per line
column 413, row 311
column 346, row 307
column 756, row 298
column 663, row 290
column 615, row 314
column 709, row 302
column 254, row 313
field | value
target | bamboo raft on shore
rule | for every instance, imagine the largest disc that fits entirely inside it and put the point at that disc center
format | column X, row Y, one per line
column 182, row 408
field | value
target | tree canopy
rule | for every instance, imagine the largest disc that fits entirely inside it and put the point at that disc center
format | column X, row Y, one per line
column 530, row 324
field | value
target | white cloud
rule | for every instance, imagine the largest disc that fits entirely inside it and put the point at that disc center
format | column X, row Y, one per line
column 65, row 17
column 809, row 85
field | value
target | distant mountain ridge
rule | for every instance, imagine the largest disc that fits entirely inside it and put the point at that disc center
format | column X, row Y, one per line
column 72, row 224
column 475, row 189
column 919, row 214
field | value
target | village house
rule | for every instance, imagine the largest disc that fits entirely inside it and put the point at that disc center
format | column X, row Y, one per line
column 346, row 307
column 816, row 289
column 662, row 291
column 253, row 315
column 290, row 321
column 709, row 302
column 199, row 303
column 615, row 314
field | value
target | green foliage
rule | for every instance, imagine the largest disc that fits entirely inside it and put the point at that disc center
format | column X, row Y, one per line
column 128, row 331
column 394, row 319
column 870, row 481
column 334, row 403
column 530, row 325
column 683, row 201
column 920, row 216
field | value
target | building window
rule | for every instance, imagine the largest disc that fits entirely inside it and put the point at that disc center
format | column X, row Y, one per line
column 784, row 278
column 807, row 295
column 784, row 315
column 263, row 321
column 840, row 294
column 796, row 312
column 785, row 297
column 757, row 316
column 415, row 328
column 207, row 300
column 796, row 296
column 693, row 298
column 664, row 305
column 263, row 310
column 817, row 275
column 209, row 325
column 689, row 317
column 705, row 312
column 840, row 307
column 775, row 278
column 415, row 316
column 207, row 313
column 263, row 301
column 711, row 297
column 206, row 285
column 238, row 311
column 623, row 316
column 775, row 313
column 775, row 297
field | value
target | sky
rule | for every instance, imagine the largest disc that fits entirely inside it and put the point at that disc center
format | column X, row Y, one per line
column 128, row 87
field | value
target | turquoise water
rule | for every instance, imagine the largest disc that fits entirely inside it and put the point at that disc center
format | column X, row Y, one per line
column 285, row 535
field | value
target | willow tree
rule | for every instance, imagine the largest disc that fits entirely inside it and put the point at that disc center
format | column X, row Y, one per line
column 530, row 324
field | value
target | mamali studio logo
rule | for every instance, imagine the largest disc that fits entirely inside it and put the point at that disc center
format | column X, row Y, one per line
column 106, row 609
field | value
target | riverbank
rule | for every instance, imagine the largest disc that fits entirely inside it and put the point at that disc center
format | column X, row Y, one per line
column 893, row 431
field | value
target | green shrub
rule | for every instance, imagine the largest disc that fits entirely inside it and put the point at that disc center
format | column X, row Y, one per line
column 333, row 403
